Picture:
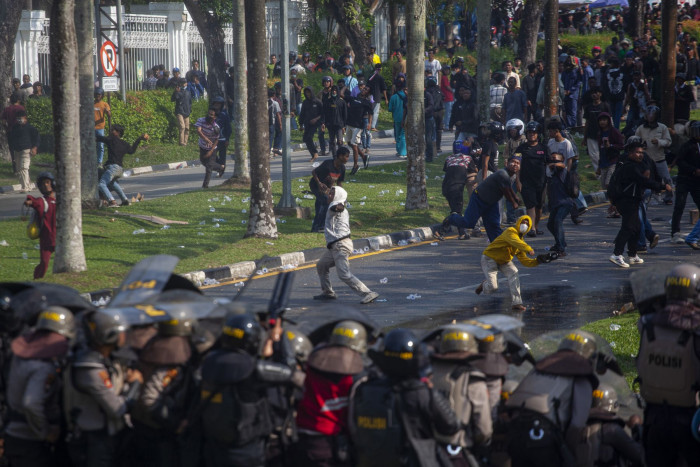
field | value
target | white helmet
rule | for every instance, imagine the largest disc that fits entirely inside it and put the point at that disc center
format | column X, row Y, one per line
column 515, row 123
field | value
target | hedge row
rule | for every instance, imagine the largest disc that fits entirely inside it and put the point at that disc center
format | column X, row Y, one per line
column 145, row 112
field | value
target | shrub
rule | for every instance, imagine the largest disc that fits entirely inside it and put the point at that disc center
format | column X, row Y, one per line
column 582, row 43
column 145, row 112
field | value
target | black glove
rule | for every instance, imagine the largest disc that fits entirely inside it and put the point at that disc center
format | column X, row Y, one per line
column 547, row 257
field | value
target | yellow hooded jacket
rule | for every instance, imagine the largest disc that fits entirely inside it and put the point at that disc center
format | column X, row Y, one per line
column 510, row 243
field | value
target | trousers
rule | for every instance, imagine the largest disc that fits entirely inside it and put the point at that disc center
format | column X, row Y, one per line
column 629, row 230
column 337, row 255
column 491, row 269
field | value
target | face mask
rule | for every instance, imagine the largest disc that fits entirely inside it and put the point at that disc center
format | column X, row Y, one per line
column 335, row 94
column 523, row 228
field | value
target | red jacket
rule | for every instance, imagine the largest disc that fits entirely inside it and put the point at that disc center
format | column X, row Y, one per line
column 47, row 221
column 324, row 406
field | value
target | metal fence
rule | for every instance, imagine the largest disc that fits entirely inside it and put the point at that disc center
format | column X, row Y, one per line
column 146, row 45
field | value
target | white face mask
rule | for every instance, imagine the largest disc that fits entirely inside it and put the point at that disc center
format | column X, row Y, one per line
column 523, row 228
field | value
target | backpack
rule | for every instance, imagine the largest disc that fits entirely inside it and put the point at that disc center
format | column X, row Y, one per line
column 615, row 188
column 572, row 183
column 34, row 225
column 438, row 105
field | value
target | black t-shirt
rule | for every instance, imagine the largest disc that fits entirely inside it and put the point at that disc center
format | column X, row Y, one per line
column 491, row 190
column 328, row 174
column 358, row 108
column 591, row 113
column 378, row 86
column 532, row 167
column 488, row 148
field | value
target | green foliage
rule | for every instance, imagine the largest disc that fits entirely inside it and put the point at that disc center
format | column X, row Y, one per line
column 624, row 342
column 316, row 42
column 145, row 112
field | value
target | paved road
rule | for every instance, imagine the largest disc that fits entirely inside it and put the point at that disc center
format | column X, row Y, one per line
column 567, row 293
column 156, row 185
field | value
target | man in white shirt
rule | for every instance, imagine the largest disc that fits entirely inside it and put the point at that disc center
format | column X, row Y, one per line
column 510, row 73
column 433, row 64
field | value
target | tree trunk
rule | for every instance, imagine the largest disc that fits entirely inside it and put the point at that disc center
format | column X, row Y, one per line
column 394, row 38
column 261, row 222
column 551, row 61
column 669, row 18
column 70, row 255
column 635, row 18
column 483, row 68
column 416, row 194
column 84, row 14
column 529, row 26
column 449, row 9
column 241, row 169
column 211, row 29
column 11, row 13
column 346, row 14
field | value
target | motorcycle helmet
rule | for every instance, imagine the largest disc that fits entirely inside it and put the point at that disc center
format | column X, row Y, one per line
column 242, row 332
column 57, row 319
column 605, row 398
column 515, row 124
column 301, row 345
column 350, row 334
column 46, row 175
column 182, row 324
column 683, row 283
column 104, row 328
column 533, row 126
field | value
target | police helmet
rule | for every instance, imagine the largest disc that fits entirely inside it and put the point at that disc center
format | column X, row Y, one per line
column 57, row 319
column 350, row 334
column 242, row 331
column 533, row 126
column 403, row 355
column 182, row 323
column 605, row 398
column 515, row 124
column 46, row 175
column 694, row 130
column 494, row 343
column 105, row 328
column 301, row 345
column 581, row 342
column 683, row 283
column 456, row 339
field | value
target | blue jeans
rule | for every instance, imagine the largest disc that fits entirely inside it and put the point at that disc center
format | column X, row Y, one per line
column 366, row 138
column 694, row 234
column 297, row 109
column 476, row 208
column 100, row 146
column 429, row 138
column 275, row 137
column 555, row 225
column 321, row 207
column 108, row 182
column 400, row 136
column 448, row 113
column 570, row 106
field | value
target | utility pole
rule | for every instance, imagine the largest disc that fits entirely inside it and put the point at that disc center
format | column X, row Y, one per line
column 287, row 200
column 120, row 51
column 551, row 71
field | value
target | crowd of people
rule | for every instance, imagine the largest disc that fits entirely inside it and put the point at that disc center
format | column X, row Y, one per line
column 169, row 377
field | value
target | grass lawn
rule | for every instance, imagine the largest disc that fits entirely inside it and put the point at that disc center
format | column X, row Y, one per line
column 623, row 341
column 112, row 248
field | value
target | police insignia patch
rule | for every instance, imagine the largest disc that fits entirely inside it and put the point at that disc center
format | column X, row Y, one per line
column 105, row 378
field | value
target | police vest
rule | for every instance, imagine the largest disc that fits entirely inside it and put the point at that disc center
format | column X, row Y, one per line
column 375, row 424
column 668, row 367
column 592, row 451
column 452, row 381
column 235, row 409
column 547, row 394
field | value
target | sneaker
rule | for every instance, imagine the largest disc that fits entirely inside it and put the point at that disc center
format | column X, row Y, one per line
column 636, row 260
column 463, row 236
column 221, row 171
column 113, row 204
column 642, row 249
column 654, row 242
column 365, row 160
column 125, row 202
column 369, row 298
column 438, row 234
column 354, row 170
column 693, row 245
column 476, row 232
column 326, row 296
column 619, row 260
column 678, row 238
column 479, row 289
column 520, row 307
column 577, row 220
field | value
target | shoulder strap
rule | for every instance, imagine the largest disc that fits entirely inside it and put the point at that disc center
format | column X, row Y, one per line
column 46, row 204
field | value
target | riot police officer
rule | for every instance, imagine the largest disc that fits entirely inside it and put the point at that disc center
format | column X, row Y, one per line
column 322, row 412
column 668, row 364
column 550, row 406
column 235, row 411
column 167, row 362
column 33, row 389
column 96, row 394
column 494, row 366
column 604, row 440
column 465, row 388
column 393, row 417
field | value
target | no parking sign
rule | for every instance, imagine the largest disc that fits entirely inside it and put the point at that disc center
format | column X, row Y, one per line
column 108, row 58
